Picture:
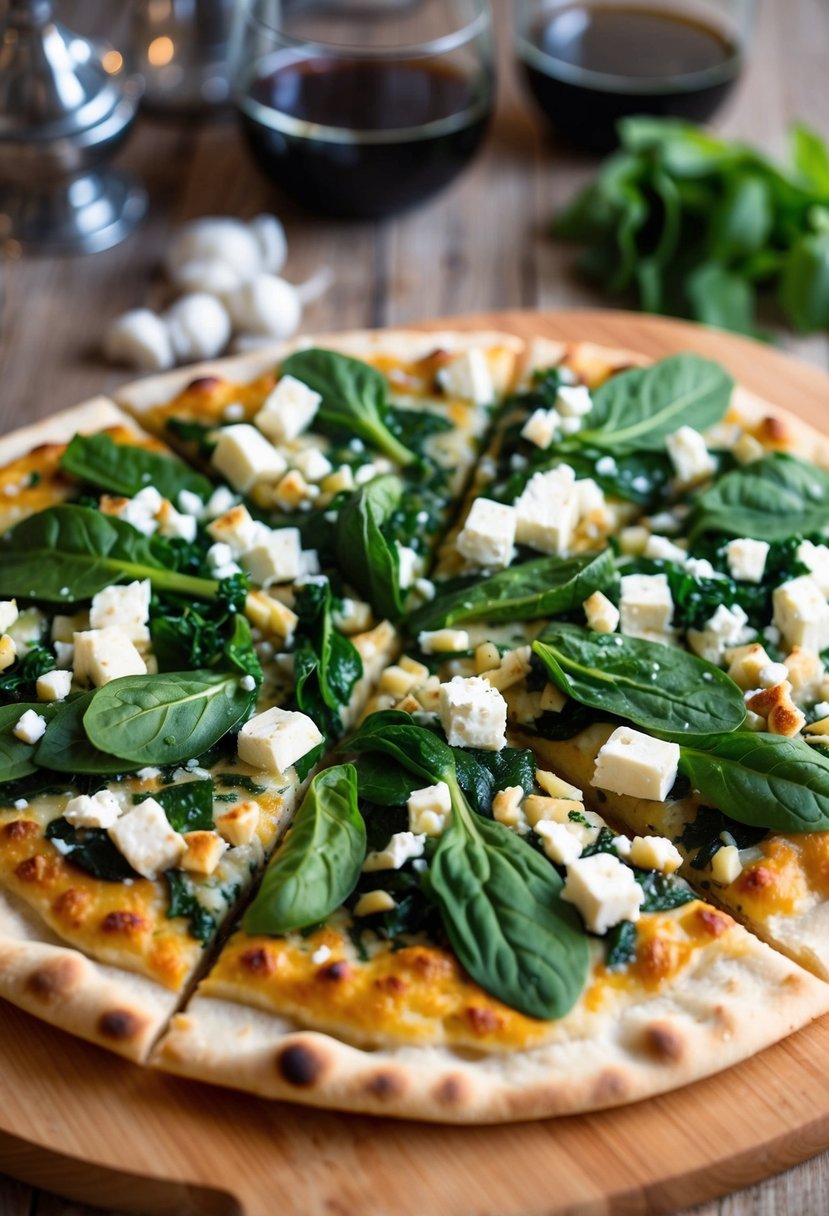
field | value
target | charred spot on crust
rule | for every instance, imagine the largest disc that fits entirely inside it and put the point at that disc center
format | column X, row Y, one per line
column 35, row 869
column 386, row 1085
column 451, row 1091
column 773, row 430
column 53, row 980
column 259, row 961
column 714, row 922
column 72, row 906
column 610, row 1086
column 664, row 1043
column 300, row 1065
column 120, row 1024
column 122, row 922
column 482, row 1020
column 336, row 972
column 21, row 829
column 204, row 384
column 391, row 983
column 756, row 878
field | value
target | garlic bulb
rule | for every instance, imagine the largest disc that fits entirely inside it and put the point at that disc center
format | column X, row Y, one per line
column 270, row 237
column 140, row 339
column 215, row 239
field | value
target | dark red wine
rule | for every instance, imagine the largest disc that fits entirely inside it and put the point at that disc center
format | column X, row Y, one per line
column 589, row 65
column 364, row 138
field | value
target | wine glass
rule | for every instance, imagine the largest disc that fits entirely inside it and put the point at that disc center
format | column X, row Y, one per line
column 588, row 63
column 362, row 108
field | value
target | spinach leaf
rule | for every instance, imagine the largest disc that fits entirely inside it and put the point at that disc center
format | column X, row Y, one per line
column 125, row 469
column 91, row 850
column 763, row 780
column 640, row 477
column 188, row 806
column 353, row 398
column 662, row 891
column 810, row 157
column 703, row 835
column 371, row 560
column 722, row 298
column 17, row 759
column 70, row 553
column 391, row 732
column 771, row 499
column 415, row 428
column 184, row 902
column 540, row 587
column 640, row 407
column 318, row 865
column 17, row 683
column 240, row 651
column 804, row 284
column 668, row 691
column 384, row 784
column 327, row 665
column 620, row 944
column 65, row 747
column 482, row 774
column 164, row 719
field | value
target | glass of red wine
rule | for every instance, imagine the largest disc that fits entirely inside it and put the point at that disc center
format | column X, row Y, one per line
column 361, row 108
column 588, row 63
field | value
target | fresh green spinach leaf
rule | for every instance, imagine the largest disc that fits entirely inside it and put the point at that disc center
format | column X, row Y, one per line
column 17, row 759
column 91, row 850
column 18, row 682
column 363, row 549
column 65, row 748
column 121, row 468
column 188, row 805
column 184, row 902
column 327, row 665
column 771, row 499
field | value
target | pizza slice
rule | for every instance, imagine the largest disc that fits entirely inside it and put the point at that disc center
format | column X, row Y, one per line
column 449, row 933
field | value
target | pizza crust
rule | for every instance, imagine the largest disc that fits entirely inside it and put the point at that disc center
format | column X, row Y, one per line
column 87, row 418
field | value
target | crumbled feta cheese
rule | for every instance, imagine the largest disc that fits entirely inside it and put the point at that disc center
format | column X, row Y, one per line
column 238, row 824
column 632, row 540
column 604, row 890
column 64, row 654
column 144, row 836
column 488, row 536
column 429, row 808
column 275, row 558
column 238, row 530
column 408, row 562
column 816, row 559
column 443, row 641
column 125, row 607
column 141, row 510
column 559, row 843
column 219, row 502
column 746, row 663
column 822, row 709
column 574, row 401
column 425, row 588
column 662, row 549
column 402, row 847
column 8, row 651
column 309, row 567
column 654, row 853
column 353, row 616
column 313, row 464
column 321, row 955
column 771, row 674
column 8, row 614
column 646, row 605
column 203, row 853
column 473, row 713
column 468, row 376
column 30, row 727
column 700, row 567
column 342, row 479
column 506, row 809
column 747, row 559
column 53, row 685
column 374, row 902
column 747, row 449
column 556, row 786
column 248, row 683
column 602, row 615
column 540, row 427
column 634, row 764
column 727, row 627
column 220, row 557
column 589, row 497
column 726, row 865
column 93, row 810
column 277, row 738
column 547, row 510
column 801, row 613
column 244, row 456
column 690, row 457
column 606, row 466
column 176, row 525
column 288, row 410
column 233, row 412
column 189, row 503
column 105, row 654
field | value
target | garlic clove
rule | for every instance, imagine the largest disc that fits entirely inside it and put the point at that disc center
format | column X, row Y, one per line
column 140, row 339
column 215, row 239
column 207, row 275
column 199, row 326
column 266, row 305
column 270, row 237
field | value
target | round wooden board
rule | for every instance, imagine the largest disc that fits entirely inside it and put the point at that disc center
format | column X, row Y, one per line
column 91, row 1126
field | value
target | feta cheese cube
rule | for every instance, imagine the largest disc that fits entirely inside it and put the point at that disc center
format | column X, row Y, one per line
column 30, row 727
column 189, row 503
column 506, row 809
column 288, row 410
column 270, row 615
column 747, row 449
column 771, row 674
column 93, row 810
column 8, row 614
column 54, row 685
column 219, row 502
column 646, row 605
column 144, row 836
column 726, row 628
column 204, row 852
column 8, row 651
column 540, row 427
column 473, row 713
column 816, row 560
column 141, row 511
column 275, row 558
column 175, row 524
column 636, row 765
column 443, row 641
column 64, row 654
column 654, row 853
column 662, row 549
column 747, row 559
column 604, row 890
column 589, row 496
column 374, row 902
column 238, row 824
column 236, row 529
column 292, row 491
column 341, row 480
column 488, row 536
column 105, row 654
column 243, row 456
column 408, row 564
column 726, row 865
column 402, row 847
column 602, row 614
column 573, row 401
column 632, row 541
column 468, row 376
column 700, row 567
column 124, row 607
column 429, row 808
column 547, row 511
column 557, row 787
column 801, row 613
column 313, row 464
column 353, row 616
column 745, row 665
column 690, row 457
column 277, row 738
column 560, row 844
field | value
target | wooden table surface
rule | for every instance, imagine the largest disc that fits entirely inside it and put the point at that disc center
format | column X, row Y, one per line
column 480, row 245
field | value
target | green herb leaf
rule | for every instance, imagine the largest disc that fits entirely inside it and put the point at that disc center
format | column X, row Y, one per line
column 771, row 499
column 184, row 902
column 70, row 553
column 810, row 157
column 540, row 587
column 658, row 688
column 363, row 549
column 382, row 783
column 17, row 759
column 763, row 780
column 91, row 850
column 640, row 407
column 18, row 682
column 188, row 806
column 318, row 865
column 353, row 398
column 327, row 665
column 65, row 747
column 804, row 284
column 164, row 719
column 393, row 733
column 121, row 468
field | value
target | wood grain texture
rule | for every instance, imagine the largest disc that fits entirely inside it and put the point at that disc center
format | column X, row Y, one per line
column 98, row 1129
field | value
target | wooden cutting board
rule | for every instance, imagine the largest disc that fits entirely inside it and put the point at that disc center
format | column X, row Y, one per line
column 91, row 1126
